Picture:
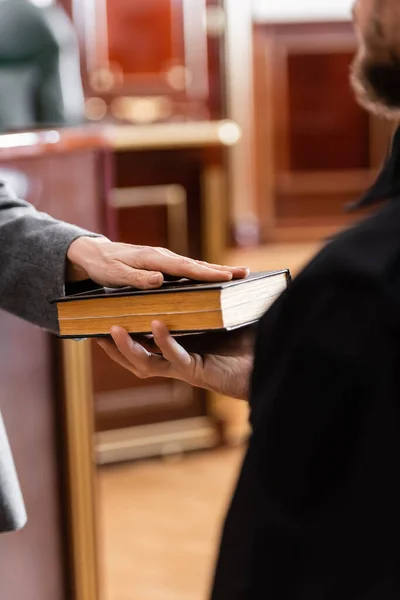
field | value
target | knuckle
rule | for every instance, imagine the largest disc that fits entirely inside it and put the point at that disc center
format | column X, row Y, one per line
column 144, row 252
column 140, row 256
column 165, row 251
column 116, row 272
column 139, row 278
column 105, row 251
column 184, row 262
column 140, row 374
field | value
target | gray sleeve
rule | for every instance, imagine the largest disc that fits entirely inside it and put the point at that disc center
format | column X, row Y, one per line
column 33, row 249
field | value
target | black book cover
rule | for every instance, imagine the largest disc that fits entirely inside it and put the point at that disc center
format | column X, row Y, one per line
column 182, row 285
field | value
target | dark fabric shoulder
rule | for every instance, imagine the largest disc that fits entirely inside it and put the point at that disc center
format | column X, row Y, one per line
column 325, row 417
column 347, row 294
column 316, row 313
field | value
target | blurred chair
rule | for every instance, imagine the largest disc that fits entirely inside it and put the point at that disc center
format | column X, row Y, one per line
column 40, row 82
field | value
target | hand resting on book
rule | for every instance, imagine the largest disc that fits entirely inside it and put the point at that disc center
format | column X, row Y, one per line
column 115, row 264
column 221, row 362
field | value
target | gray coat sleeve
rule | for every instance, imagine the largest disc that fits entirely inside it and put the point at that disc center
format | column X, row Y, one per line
column 33, row 249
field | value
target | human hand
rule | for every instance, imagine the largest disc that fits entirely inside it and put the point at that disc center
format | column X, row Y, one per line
column 237, row 342
column 115, row 264
column 225, row 369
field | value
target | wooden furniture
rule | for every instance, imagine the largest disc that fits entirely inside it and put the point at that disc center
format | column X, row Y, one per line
column 45, row 393
column 175, row 60
column 170, row 191
column 317, row 149
column 163, row 76
column 51, row 391
column 151, row 61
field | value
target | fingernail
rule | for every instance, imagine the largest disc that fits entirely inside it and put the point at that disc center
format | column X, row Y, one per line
column 155, row 279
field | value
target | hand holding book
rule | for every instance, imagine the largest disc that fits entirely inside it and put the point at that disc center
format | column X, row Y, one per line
column 235, row 342
column 217, row 361
column 213, row 330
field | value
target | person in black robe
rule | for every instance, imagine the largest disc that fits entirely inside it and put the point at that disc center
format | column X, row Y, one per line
column 316, row 511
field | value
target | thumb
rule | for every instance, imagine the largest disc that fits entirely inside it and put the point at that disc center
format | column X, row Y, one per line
column 124, row 275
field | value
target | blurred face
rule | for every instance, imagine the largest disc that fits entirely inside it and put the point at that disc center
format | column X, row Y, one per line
column 375, row 72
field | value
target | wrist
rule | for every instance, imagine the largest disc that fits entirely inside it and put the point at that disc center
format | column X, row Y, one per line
column 77, row 256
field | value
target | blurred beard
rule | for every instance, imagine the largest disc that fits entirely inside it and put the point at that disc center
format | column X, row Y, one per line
column 377, row 85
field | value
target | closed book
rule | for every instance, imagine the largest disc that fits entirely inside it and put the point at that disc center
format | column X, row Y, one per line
column 184, row 306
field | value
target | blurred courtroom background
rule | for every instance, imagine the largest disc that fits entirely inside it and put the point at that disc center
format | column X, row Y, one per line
column 222, row 129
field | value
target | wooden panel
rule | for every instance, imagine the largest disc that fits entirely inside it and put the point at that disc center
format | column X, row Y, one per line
column 317, row 150
column 30, row 413
column 145, row 39
column 34, row 563
column 150, row 61
column 67, row 187
column 328, row 130
column 216, row 60
column 121, row 400
column 291, row 208
column 147, row 225
column 160, row 168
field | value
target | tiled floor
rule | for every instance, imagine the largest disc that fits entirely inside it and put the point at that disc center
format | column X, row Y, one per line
column 160, row 521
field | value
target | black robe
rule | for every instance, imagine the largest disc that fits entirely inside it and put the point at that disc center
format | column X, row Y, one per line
column 316, row 511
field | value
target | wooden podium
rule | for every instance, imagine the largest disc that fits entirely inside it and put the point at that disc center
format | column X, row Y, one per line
column 48, row 387
column 44, row 397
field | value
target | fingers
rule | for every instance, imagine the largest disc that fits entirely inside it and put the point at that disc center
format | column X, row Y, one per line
column 170, row 349
column 237, row 272
column 238, row 342
column 115, row 264
column 141, row 363
column 175, row 361
column 139, row 278
column 173, row 264
column 112, row 351
column 147, row 342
